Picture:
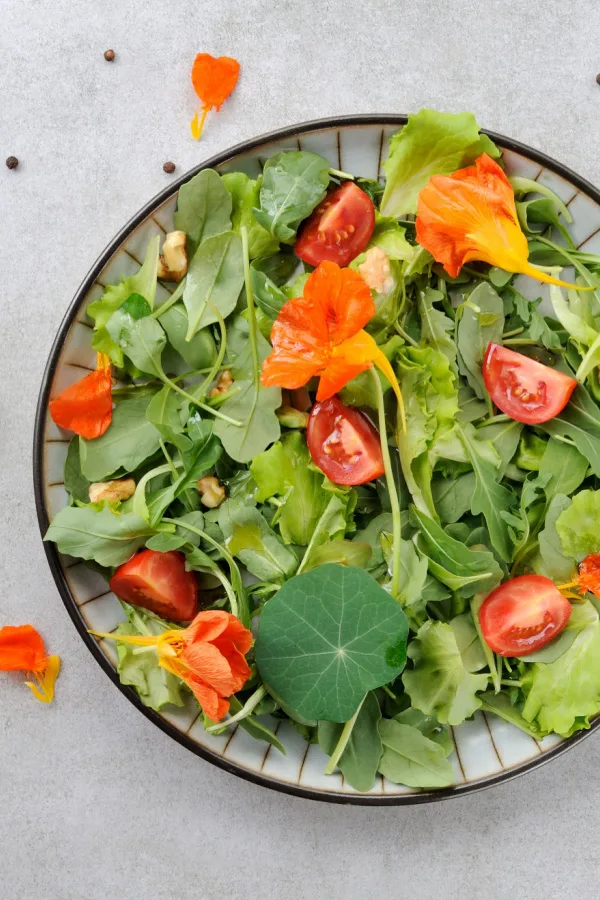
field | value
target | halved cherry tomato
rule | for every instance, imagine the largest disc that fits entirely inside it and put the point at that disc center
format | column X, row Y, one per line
column 343, row 443
column 524, row 389
column 523, row 615
column 158, row 582
column 340, row 227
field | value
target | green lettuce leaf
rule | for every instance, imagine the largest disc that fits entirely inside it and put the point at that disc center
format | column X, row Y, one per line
column 245, row 194
column 411, row 758
column 431, row 143
column 578, row 526
column 155, row 686
column 439, row 683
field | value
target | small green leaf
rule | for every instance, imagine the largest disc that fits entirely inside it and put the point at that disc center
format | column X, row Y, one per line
column 326, row 638
column 203, row 208
column 201, row 351
column 108, row 538
column 411, row 758
column 142, row 340
column 255, row 407
column 76, row 483
column 480, row 321
column 245, row 193
column 294, row 183
column 214, row 281
column 250, row 539
column 360, row 760
column 129, row 440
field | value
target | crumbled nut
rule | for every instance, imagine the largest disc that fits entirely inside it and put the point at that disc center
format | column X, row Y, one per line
column 173, row 262
column 224, row 383
column 376, row 270
column 112, row 490
column 212, row 492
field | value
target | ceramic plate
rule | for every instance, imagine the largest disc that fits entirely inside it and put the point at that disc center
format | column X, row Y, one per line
column 487, row 749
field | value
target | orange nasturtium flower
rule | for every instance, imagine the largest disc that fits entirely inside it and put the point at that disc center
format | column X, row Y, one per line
column 588, row 577
column 214, row 79
column 86, row 407
column 321, row 333
column 22, row 650
column 209, row 655
column 471, row 215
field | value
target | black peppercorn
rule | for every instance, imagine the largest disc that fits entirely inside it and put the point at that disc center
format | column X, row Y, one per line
column 12, row 162
column 169, row 167
column 109, row 55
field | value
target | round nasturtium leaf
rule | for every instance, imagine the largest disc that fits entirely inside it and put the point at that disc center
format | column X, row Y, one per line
column 326, row 638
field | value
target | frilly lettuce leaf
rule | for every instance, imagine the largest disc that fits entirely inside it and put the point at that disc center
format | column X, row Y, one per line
column 431, row 143
column 578, row 526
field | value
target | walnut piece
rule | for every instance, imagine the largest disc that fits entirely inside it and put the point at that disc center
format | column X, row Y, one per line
column 112, row 490
column 376, row 270
column 173, row 262
column 224, row 382
column 212, row 492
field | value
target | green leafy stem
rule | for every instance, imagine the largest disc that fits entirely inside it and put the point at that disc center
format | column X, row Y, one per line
column 391, row 485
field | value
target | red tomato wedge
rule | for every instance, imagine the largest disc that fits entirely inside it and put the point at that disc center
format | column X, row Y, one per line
column 343, row 443
column 524, row 389
column 339, row 229
column 523, row 615
column 158, row 582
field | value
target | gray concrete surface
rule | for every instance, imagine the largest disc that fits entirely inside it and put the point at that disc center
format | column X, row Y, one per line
column 95, row 802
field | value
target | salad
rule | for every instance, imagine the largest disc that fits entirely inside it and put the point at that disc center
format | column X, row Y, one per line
column 347, row 475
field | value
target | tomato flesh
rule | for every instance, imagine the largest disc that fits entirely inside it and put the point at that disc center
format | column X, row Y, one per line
column 524, row 389
column 339, row 229
column 343, row 443
column 523, row 615
column 159, row 583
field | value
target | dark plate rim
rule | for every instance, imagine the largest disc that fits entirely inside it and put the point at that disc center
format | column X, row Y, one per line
column 383, row 119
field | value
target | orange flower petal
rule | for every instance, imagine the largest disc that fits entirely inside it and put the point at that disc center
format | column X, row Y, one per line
column 589, row 574
column 300, row 341
column 214, row 78
column 86, row 407
column 206, row 662
column 471, row 215
column 344, row 298
column 214, row 706
column 21, row 649
column 208, row 625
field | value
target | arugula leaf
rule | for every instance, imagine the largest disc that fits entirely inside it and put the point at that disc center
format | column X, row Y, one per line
column 468, row 642
column 327, row 638
column 501, row 705
column 143, row 283
column 331, row 524
column 504, row 437
column 411, row 758
column 284, row 470
column 431, row 143
column 294, row 183
column 345, row 553
column 565, row 693
column 245, row 194
column 451, row 562
column 564, row 465
column 200, row 352
column 255, row 407
column 165, row 413
column 255, row 727
column 579, row 421
column 130, row 439
column 203, row 208
column 452, row 496
column 436, row 328
column 371, row 535
column 76, row 484
column 480, row 321
column 214, row 280
column 553, row 562
column 250, row 539
column 439, row 683
column 360, row 760
column 107, row 537
column 142, row 340
column 155, row 686
column 577, row 525
column 268, row 276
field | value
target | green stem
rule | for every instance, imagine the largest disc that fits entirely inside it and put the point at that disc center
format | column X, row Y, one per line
column 339, row 174
column 343, row 741
column 513, row 333
column 391, row 485
column 200, row 391
column 177, row 293
column 251, row 308
column 167, row 456
column 204, row 406
column 584, row 362
column 244, row 712
column 405, row 335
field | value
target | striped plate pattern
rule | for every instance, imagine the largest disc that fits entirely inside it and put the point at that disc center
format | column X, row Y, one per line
column 487, row 749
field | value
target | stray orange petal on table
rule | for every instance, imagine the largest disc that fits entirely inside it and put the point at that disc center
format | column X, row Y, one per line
column 321, row 333
column 208, row 655
column 86, row 406
column 214, row 79
column 471, row 216
column 22, row 650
